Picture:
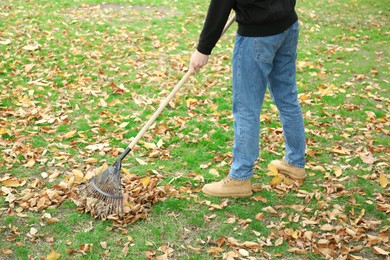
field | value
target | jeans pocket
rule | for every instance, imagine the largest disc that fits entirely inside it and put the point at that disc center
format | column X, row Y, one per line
column 265, row 48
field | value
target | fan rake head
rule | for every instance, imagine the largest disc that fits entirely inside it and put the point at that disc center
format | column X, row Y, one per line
column 106, row 189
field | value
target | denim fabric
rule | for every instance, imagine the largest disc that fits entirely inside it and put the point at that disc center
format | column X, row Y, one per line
column 259, row 62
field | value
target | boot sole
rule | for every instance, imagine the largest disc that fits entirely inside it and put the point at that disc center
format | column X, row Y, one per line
column 291, row 176
column 241, row 195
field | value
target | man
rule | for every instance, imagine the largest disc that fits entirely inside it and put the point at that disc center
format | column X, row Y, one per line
column 264, row 55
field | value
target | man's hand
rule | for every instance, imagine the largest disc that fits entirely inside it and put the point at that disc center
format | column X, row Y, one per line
column 197, row 61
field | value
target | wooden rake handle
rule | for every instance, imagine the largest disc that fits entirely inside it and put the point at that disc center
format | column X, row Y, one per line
column 166, row 101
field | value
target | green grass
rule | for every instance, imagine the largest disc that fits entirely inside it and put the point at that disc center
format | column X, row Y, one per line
column 68, row 83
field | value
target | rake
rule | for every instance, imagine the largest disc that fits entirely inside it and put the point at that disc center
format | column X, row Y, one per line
column 106, row 187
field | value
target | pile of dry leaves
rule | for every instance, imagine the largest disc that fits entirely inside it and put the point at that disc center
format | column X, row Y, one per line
column 139, row 195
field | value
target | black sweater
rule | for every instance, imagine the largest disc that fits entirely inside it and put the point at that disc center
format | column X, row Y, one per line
column 254, row 17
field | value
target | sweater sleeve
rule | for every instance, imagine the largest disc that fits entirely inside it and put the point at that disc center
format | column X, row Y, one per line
column 217, row 16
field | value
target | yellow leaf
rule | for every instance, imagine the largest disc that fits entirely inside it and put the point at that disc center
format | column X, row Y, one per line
column 145, row 181
column 150, row 145
column 295, row 234
column 213, row 107
column 383, row 180
column 303, row 97
column 191, row 102
column 277, row 180
column 273, row 170
column 10, row 183
column 126, row 171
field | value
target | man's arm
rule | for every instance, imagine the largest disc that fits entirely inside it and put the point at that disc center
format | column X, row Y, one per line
column 217, row 15
column 216, row 18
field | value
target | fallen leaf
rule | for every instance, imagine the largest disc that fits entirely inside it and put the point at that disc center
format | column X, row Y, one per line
column 215, row 250
column 338, row 171
column 380, row 251
column 279, row 241
column 141, row 162
column 214, row 172
column 277, row 180
column 103, row 244
column 243, row 252
column 53, row 256
column 33, row 231
column 31, row 47
column 11, row 183
column 52, row 220
column 273, row 170
column 327, row 227
column 69, row 134
column 6, row 251
column 383, row 181
column 5, row 42
column 195, row 249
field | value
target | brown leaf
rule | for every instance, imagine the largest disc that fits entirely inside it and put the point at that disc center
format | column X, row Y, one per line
column 215, row 250
column 195, row 249
column 69, row 134
column 271, row 210
column 279, row 241
column 259, row 198
column 243, row 252
column 259, row 216
column 103, row 244
column 380, row 251
column 125, row 250
column 31, row 47
column 52, row 220
column 367, row 158
column 338, row 171
column 6, row 251
column 327, row 227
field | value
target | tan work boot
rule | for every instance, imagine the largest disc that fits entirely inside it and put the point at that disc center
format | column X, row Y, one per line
column 293, row 172
column 228, row 187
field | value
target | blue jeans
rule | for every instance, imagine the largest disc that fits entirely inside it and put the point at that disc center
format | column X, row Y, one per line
column 259, row 62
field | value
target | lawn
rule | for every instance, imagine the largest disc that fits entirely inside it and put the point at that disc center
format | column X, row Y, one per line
column 79, row 79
